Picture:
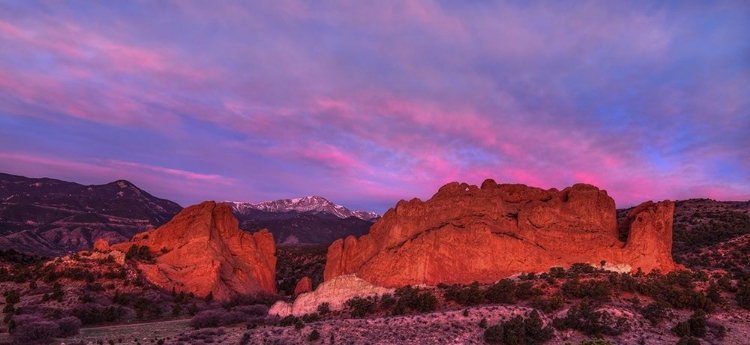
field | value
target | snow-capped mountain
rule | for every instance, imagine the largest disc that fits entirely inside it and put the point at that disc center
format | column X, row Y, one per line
column 308, row 204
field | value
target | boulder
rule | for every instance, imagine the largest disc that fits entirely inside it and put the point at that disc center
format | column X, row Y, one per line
column 465, row 233
column 335, row 292
column 202, row 250
column 101, row 245
column 304, row 285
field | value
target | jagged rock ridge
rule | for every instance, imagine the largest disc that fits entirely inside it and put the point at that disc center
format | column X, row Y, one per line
column 51, row 217
column 465, row 233
column 202, row 250
column 309, row 204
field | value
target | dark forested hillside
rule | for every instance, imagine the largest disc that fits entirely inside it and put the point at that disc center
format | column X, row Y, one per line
column 49, row 217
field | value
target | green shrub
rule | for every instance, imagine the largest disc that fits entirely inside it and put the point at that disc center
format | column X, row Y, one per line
column 519, row 331
column 140, row 253
column 504, row 291
column 694, row 326
column 655, row 312
column 310, row 317
column 495, row 334
column 682, row 329
column 387, row 301
column 698, row 324
column 324, row 308
column 599, row 290
column 411, row 298
column 556, row 302
column 287, row 321
column 470, row 295
column 299, row 324
column 557, row 272
column 526, row 290
column 360, row 307
column 314, row 335
column 12, row 296
column 585, row 318
column 580, row 268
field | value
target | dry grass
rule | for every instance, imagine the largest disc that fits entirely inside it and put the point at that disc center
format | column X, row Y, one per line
column 130, row 334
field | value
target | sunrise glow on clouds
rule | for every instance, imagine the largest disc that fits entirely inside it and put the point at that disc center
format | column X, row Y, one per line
column 367, row 103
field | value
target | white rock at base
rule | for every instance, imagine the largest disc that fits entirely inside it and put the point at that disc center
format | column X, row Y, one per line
column 335, row 292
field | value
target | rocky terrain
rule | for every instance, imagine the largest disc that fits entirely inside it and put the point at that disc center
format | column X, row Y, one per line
column 465, row 233
column 52, row 217
column 203, row 251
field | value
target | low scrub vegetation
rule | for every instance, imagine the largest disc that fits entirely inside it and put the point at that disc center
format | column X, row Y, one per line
column 32, row 329
column 521, row 331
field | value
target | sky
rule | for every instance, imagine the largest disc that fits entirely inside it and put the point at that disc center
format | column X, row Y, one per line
column 369, row 102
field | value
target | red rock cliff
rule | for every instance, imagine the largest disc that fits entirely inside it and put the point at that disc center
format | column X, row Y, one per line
column 466, row 233
column 207, row 252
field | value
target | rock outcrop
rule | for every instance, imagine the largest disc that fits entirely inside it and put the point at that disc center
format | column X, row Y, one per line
column 202, row 250
column 335, row 292
column 101, row 245
column 303, row 285
column 465, row 233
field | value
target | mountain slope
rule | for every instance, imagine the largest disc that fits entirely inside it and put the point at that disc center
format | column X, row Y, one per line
column 307, row 228
column 308, row 220
column 49, row 217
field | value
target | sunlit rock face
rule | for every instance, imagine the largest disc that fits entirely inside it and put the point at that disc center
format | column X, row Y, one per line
column 335, row 292
column 101, row 245
column 203, row 251
column 466, row 233
column 303, row 285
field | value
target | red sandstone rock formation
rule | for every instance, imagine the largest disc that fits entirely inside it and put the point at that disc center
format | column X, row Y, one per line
column 465, row 233
column 101, row 245
column 304, row 285
column 203, row 250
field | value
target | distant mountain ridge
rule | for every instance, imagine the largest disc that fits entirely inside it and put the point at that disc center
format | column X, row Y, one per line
column 50, row 217
column 306, row 205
